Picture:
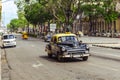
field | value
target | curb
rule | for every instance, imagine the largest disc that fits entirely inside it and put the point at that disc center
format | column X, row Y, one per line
column 99, row 43
column 4, row 66
column 106, row 46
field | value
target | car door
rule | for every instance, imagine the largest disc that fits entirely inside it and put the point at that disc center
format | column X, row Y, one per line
column 55, row 45
column 52, row 43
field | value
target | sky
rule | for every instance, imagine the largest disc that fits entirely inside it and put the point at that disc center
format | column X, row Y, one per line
column 9, row 11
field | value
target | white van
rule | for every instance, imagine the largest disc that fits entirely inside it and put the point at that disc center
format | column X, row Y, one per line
column 8, row 40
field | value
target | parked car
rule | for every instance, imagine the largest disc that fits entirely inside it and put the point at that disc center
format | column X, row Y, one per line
column 67, row 46
column 47, row 38
column 8, row 40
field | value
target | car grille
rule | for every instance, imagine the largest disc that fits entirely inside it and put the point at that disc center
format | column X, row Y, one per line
column 76, row 51
column 6, row 41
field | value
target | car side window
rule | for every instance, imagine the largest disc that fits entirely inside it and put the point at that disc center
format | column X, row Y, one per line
column 60, row 39
column 5, row 37
column 11, row 37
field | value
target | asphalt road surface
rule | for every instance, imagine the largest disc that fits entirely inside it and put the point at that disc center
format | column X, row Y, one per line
column 29, row 61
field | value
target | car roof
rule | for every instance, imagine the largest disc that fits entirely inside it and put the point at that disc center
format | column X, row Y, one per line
column 64, row 34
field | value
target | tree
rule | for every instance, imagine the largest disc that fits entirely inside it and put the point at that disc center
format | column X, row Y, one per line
column 64, row 11
column 15, row 24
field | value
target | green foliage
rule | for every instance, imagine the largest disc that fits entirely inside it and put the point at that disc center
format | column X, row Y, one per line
column 110, row 16
column 62, row 9
column 109, row 13
column 15, row 24
column 104, row 8
column 40, row 11
column 36, row 13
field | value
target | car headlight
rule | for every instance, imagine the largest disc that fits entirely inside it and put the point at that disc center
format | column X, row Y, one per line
column 63, row 49
column 87, row 47
column 13, row 41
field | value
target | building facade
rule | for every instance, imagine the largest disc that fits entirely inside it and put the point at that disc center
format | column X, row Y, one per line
column 99, row 26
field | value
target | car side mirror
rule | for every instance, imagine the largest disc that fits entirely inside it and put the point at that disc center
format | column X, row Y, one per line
column 80, row 41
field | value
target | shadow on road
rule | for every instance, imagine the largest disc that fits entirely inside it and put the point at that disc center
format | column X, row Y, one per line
column 6, row 47
column 107, row 57
column 66, row 60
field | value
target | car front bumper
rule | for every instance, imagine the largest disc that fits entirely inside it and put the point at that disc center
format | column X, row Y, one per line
column 9, row 44
column 75, row 55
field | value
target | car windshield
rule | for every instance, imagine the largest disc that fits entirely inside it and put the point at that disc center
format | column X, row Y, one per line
column 8, row 37
column 67, row 38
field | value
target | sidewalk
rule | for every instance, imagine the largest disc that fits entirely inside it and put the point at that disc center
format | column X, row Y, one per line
column 4, row 68
column 102, row 41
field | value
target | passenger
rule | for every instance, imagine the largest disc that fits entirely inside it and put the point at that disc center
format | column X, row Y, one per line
column 59, row 39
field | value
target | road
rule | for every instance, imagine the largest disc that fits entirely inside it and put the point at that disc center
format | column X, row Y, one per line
column 29, row 61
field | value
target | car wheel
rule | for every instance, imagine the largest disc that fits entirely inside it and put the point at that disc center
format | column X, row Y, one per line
column 45, row 40
column 59, row 58
column 85, row 58
column 49, row 55
column 14, row 45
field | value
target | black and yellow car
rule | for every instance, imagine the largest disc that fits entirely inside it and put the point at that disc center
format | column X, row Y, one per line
column 67, row 46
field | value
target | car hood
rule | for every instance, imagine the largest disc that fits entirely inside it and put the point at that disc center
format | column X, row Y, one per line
column 71, row 44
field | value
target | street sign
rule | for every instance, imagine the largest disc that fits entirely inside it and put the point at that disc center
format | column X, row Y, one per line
column 52, row 27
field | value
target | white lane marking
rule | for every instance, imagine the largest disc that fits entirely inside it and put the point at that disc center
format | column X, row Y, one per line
column 38, row 64
column 33, row 45
column 104, row 67
column 107, row 54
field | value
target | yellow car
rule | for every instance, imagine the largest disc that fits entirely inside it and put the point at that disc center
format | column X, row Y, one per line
column 67, row 46
column 24, row 35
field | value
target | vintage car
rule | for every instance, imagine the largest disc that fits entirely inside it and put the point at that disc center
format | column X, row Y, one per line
column 67, row 46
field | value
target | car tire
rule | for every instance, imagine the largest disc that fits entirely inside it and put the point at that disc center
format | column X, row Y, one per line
column 59, row 58
column 85, row 58
column 14, row 45
column 45, row 40
column 49, row 55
